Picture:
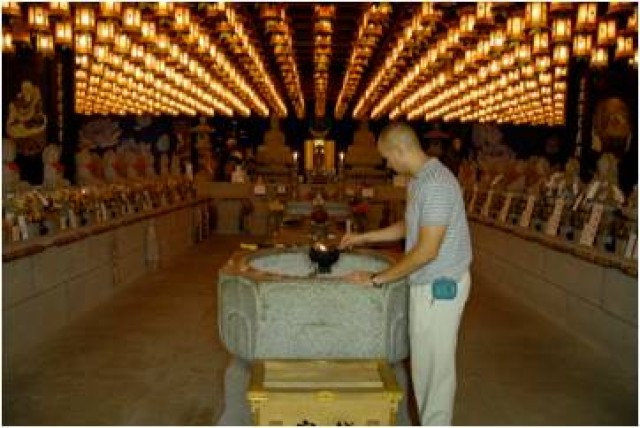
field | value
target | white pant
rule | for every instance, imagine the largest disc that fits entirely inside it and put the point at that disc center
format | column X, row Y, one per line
column 433, row 336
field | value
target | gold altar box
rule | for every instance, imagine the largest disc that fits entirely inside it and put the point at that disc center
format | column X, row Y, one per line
column 323, row 392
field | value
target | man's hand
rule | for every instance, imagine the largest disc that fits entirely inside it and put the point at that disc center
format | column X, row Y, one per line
column 361, row 278
column 351, row 240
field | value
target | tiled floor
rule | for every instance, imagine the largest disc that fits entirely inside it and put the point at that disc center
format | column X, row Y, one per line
column 151, row 356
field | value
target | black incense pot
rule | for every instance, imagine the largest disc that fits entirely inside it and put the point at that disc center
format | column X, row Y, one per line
column 324, row 255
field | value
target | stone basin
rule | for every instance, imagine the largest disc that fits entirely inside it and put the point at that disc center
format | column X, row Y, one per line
column 272, row 304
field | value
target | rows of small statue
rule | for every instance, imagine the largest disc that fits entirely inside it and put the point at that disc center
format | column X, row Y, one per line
column 119, row 184
column 526, row 193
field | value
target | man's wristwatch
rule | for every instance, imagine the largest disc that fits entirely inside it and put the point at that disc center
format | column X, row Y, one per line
column 373, row 282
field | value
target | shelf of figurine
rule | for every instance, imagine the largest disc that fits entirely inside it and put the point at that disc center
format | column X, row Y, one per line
column 528, row 194
column 44, row 212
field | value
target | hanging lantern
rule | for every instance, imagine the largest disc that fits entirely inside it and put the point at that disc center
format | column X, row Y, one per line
column 101, row 53
column 582, row 45
column 105, row 31
column 7, row 41
column 541, row 43
column 619, row 7
column 38, row 18
column 137, row 53
column 64, row 33
column 163, row 43
column 587, row 17
column 632, row 22
column 607, row 33
column 85, row 19
column 82, row 61
column 559, row 86
column 535, row 15
column 84, row 43
column 508, row 61
column 11, row 8
column 527, row 71
column 560, row 7
column 453, row 38
column 122, row 44
column 515, row 28
column 561, row 30
column 494, row 68
column 560, row 72
column 203, row 43
column 163, row 9
column 182, row 16
column 543, row 63
column 148, row 31
column 110, row 9
column 484, row 14
column 116, row 61
column 59, row 8
column 599, row 57
column 428, row 13
column 624, row 47
column 131, row 18
column 524, row 53
column 467, row 25
column 97, row 69
column 482, row 50
column 496, row 40
column 561, row 55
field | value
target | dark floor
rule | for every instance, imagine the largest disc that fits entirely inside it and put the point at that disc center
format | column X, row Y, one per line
column 150, row 356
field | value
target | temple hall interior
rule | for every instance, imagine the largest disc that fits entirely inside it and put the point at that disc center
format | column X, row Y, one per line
column 319, row 213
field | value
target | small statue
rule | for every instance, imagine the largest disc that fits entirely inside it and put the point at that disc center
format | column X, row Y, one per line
column 26, row 121
column 175, row 166
column 130, row 160
column 604, row 186
column 516, row 180
column 570, row 185
column 274, row 151
column 53, row 169
column 363, row 151
column 86, row 168
column 164, row 165
column 537, row 172
column 10, row 169
column 148, row 158
column 112, row 173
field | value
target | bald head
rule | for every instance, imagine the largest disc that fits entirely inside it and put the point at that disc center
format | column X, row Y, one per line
column 398, row 136
column 399, row 146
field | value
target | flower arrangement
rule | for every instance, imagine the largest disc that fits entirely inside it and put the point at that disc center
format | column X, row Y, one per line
column 359, row 211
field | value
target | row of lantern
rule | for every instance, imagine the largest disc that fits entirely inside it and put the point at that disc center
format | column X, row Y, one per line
column 370, row 32
column 421, row 26
column 166, row 88
column 454, row 46
column 125, row 28
column 281, row 40
column 231, row 29
column 322, row 32
column 514, row 94
column 521, row 54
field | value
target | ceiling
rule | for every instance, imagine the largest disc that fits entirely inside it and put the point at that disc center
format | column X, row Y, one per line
column 348, row 16
column 481, row 61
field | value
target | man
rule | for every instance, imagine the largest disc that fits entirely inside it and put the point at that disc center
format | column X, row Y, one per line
column 437, row 246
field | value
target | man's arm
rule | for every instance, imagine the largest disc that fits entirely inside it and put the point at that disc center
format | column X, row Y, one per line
column 393, row 232
column 390, row 233
column 426, row 249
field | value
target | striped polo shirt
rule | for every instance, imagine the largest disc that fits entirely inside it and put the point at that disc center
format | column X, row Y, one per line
column 434, row 198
